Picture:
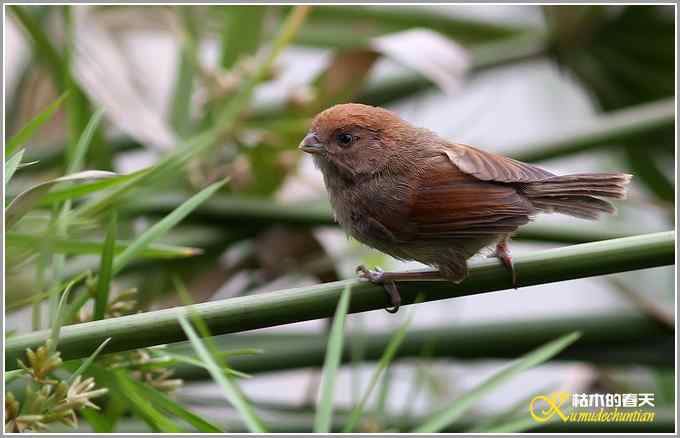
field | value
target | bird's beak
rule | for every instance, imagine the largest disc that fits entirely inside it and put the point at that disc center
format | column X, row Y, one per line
column 311, row 144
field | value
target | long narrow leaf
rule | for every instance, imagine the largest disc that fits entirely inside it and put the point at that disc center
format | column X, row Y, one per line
column 387, row 357
column 163, row 226
column 84, row 189
column 87, row 362
column 12, row 165
column 21, row 137
column 78, row 158
column 27, row 199
column 162, row 401
column 324, row 411
column 458, row 407
column 164, row 168
column 230, row 392
column 80, row 247
column 106, row 269
column 59, row 317
column 139, row 403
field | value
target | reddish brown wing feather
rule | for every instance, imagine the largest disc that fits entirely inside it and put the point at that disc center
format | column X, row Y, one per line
column 450, row 204
column 492, row 167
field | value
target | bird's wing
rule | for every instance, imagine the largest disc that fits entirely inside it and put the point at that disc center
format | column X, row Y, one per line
column 450, row 204
column 486, row 166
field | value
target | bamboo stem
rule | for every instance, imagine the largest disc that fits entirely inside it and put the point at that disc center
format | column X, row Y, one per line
column 319, row 301
column 607, row 339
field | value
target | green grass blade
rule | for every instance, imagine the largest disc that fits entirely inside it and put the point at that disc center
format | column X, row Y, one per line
column 509, row 418
column 79, row 247
column 164, row 168
column 84, row 189
column 241, row 33
column 139, row 403
column 197, row 363
column 324, row 411
column 80, row 151
column 106, row 269
column 163, row 402
column 87, row 362
column 59, row 317
column 458, row 407
column 28, row 130
column 163, row 226
column 230, row 391
column 180, row 114
column 12, row 165
column 394, row 344
column 26, row 200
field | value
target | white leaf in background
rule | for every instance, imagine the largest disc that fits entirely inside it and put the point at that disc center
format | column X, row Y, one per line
column 433, row 55
column 107, row 78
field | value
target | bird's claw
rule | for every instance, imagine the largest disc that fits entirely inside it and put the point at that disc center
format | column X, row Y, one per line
column 377, row 276
column 502, row 253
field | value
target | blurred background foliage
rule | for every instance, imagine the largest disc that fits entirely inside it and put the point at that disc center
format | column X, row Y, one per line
column 128, row 242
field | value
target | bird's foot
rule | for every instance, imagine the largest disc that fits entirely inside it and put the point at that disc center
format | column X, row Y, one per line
column 378, row 276
column 502, row 253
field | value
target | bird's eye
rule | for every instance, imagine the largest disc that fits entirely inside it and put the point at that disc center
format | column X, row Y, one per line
column 345, row 139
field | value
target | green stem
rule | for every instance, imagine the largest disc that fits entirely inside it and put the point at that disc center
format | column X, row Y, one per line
column 611, row 338
column 319, row 301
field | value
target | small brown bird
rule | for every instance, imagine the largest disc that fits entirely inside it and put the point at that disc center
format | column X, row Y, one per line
column 415, row 196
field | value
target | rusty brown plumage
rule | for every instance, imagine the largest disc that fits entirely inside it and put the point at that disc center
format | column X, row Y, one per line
column 413, row 195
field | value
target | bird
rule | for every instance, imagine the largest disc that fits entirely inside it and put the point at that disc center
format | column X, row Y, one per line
column 414, row 195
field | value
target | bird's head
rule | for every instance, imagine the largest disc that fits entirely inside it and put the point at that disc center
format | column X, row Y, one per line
column 354, row 139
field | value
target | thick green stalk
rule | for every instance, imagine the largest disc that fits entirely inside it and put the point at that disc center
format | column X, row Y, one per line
column 319, row 301
column 607, row 339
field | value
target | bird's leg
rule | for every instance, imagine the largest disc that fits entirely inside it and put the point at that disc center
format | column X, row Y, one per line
column 502, row 252
column 387, row 280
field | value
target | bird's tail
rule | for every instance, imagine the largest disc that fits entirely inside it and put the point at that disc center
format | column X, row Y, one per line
column 578, row 195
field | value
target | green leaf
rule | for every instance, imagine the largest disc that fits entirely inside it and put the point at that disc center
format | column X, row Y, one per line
column 27, row 199
column 164, row 168
column 21, row 137
column 139, row 403
column 84, row 189
column 175, row 357
column 78, row 158
column 80, row 247
column 12, row 165
column 229, row 390
column 106, row 269
column 87, row 362
column 241, row 32
column 180, row 114
column 458, row 407
column 385, row 360
column 163, row 226
column 324, row 411
column 163, row 402
column 59, row 317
